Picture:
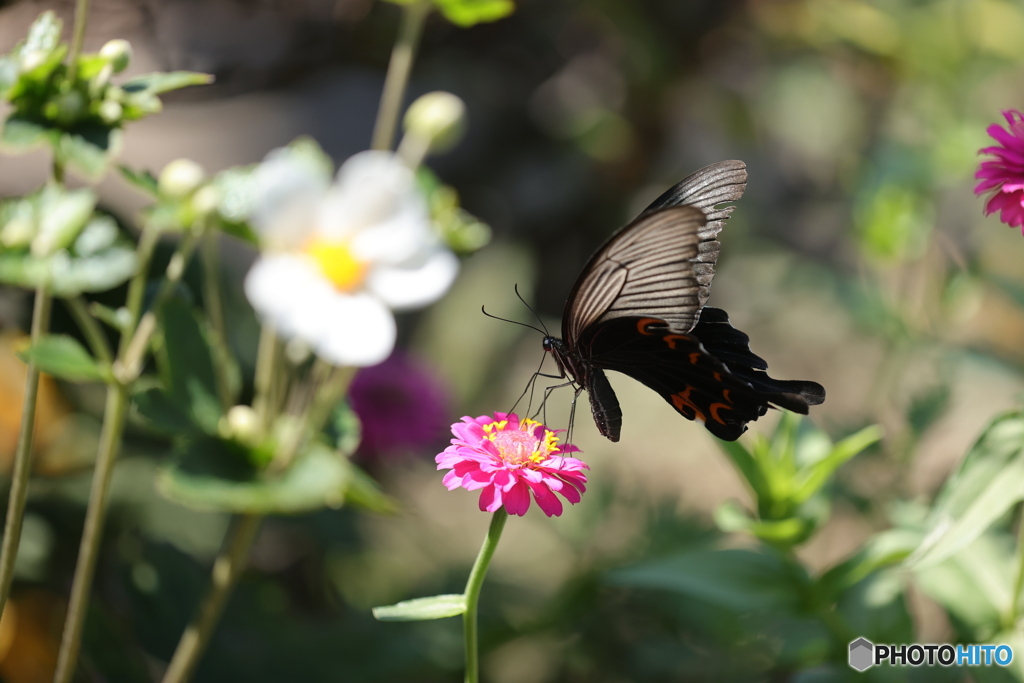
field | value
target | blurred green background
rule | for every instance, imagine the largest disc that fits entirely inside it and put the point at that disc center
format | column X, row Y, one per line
column 859, row 258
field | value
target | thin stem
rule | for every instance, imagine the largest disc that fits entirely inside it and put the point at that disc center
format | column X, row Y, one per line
column 226, row 570
column 137, row 286
column 130, row 359
column 110, row 443
column 267, row 354
column 473, row 586
column 215, row 311
column 1013, row 610
column 90, row 328
column 23, row 453
column 409, row 32
column 81, row 11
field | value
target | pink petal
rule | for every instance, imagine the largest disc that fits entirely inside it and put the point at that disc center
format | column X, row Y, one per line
column 490, row 499
column 547, row 500
column 517, row 499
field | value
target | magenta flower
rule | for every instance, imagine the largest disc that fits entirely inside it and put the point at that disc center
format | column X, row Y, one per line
column 1004, row 175
column 510, row 458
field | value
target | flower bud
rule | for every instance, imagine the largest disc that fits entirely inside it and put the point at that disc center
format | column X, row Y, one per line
column 180, row 177
column 438, row 117
column 241, row 424
column 205, row 200
column 118, row 52
column 110, row 112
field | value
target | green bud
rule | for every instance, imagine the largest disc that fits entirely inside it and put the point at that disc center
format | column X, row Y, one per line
column 110, row 112
column 438, row 117
column 180, row 177
column 17, row 232
column 205, row 200
column 118, row 52
column 66, row 108
column 241, row 424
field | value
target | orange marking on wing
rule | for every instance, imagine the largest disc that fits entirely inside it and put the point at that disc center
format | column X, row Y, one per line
column 717, row 376
column 694, row 357
column 725, row 393
column 682, row 400
column 671, row 339
column 715, row 407
column 643, row 323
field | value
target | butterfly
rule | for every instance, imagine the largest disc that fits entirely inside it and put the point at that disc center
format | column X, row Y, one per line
column 638, row 308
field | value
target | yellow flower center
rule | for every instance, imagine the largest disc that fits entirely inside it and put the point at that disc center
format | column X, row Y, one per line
column 518, row 445
column 338, row 264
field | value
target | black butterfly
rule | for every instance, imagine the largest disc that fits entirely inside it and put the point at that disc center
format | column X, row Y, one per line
column 638, row 308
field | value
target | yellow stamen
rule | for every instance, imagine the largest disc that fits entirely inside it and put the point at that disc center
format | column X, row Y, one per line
column 338, row 264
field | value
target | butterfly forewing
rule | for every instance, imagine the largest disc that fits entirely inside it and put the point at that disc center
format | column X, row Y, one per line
column 707, row 190
column 645, row 269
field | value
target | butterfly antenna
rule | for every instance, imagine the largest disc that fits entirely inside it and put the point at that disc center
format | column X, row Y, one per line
column 535, row 315
column 514, row 322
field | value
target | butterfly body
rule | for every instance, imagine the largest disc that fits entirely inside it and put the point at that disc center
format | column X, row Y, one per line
column 638, row 308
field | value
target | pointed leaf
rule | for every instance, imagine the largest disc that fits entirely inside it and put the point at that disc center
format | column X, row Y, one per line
column 743, row 460
column 817, row 474
column 214, row 475
column 20, row 135
column 423, row 609
column 63, row 357
column 189, row 365
column 141, row 180
column 156, row 83
column 990, row 481
column 466, row 13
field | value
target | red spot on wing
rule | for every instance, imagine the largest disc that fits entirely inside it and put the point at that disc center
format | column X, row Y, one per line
column 694, row 357
column 671, row 339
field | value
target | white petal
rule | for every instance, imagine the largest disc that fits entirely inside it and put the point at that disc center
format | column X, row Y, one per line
column 417, row 283
column 289, row 293
column 361, row 331
column 289, row 191
column 377, row 203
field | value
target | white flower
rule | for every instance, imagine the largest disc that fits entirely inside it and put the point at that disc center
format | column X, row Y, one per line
column 339, row 258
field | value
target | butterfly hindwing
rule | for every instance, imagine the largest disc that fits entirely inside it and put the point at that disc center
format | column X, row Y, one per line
column 696, row 383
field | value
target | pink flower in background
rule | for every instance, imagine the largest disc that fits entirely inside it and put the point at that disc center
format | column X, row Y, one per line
column 1004, row 175
column 509, row 459
column 402, row 406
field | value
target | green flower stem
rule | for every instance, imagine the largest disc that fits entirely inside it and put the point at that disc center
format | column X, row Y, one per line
column 1013, row 609
column 129, row 363
column 473, row 586
column 215, row 311
column 90, row 328
column 409, row 32
column 23, row 453
column 110, row 443
column 267, row 354
column 126, row 369
column 226, row 570
column 77, row 37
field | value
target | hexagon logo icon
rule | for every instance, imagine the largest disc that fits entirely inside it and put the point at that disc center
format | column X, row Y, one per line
column 862, row 653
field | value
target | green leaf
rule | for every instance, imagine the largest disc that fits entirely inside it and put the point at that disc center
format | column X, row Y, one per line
column 20, row 135
column 141, row 180
column 739, row 580
column 423, row 609
column 743, row 460
column 162, row 414
column 466, row 13
column 989, row 482
column 731, row 518
column 214, row 475
column 876, row 608
column 973, row 586
column 64, row 358
column 89, row 150
column 363, row 492
column 189, row 365
column 815, row 476
column 156, row 83
column 885, row 549
column 44, row 33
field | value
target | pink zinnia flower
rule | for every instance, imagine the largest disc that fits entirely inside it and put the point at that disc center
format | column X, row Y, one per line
column 510, row 458
column 1004, row 175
